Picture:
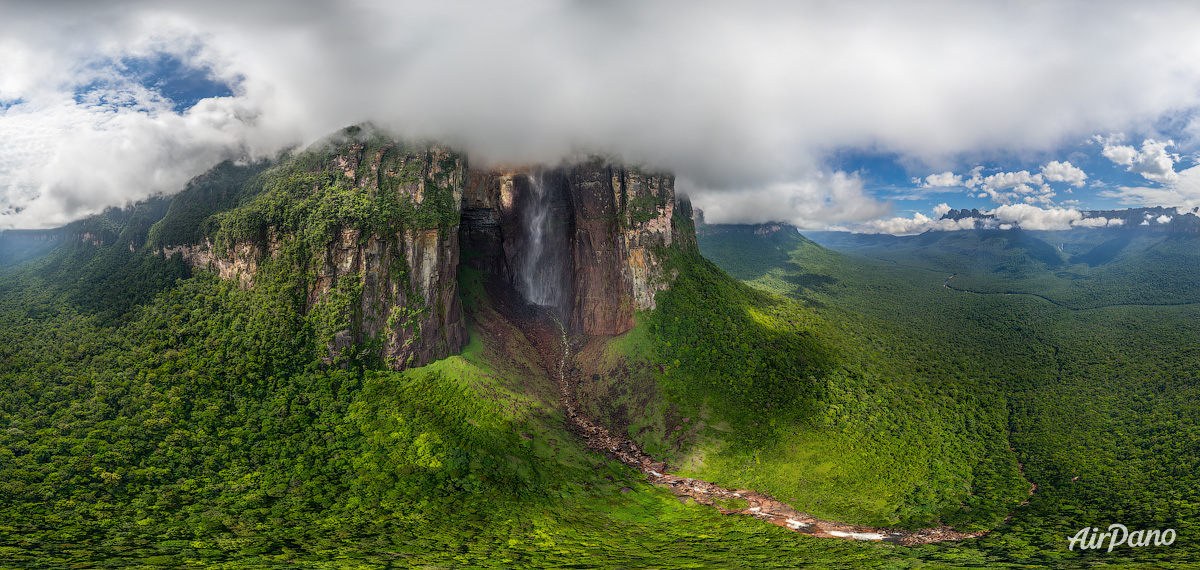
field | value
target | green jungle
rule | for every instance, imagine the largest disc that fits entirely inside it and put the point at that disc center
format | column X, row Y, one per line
column 157, row 416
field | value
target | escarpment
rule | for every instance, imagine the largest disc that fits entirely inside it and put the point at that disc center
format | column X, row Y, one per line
column 371, row 224
column 604, row 233
column 378, row 228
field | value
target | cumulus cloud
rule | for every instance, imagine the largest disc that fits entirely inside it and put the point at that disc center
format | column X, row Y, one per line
column 1005, row 217
column 1097, row 222
column 733, row 99
column 919, row 223
column 1056, row 171
column 1011, row 187
column 1182, row 192
column 808, row 204
column 943, row 180
column 64, row 160
column 1153, row 161
column 1006, row 180
column 1034, row 218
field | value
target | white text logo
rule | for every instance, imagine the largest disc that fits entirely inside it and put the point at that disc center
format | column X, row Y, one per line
column 1118, row 534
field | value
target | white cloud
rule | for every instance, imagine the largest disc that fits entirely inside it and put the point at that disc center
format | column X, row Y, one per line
column 63, row 161
column 748, row 97
column 1182, row 192
column 1034, row 218
column 941, row 209
column 1153, row 161
column 1097, row 222
column 945, row 179
column 1010, row 187
column 1005, row 217
column 811, row 203
column 1006, row 180
column 1122, row 154
column 1163, row 219
column 1056, row 171
column 919, row 223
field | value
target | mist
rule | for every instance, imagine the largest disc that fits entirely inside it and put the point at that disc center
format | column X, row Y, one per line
column 744, row 102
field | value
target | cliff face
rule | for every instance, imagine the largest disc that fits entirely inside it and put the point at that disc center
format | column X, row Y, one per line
column 609, row 220
column 621, row 216
column 487, row 202
column 373, row 227
column 378, row 227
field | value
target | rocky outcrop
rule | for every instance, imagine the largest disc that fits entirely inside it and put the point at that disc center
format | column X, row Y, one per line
column 239, row 262
column 386, row 279
column 623, row 217
column 390, row 280
column 405, row 293
column 614, row 222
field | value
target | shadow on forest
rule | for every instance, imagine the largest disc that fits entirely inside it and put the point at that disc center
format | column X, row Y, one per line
column 1104, row 252
column 810, row 281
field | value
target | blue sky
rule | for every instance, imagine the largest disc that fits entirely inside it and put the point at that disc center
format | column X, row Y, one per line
column 163, row 74
column 886, row 177
column 865, row 115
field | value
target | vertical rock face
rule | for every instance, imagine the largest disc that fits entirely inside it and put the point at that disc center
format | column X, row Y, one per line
column 405, row 277
column 377, row 229
column 622, row 216
column 487, row 200
column 407, row 293
column 616, row 220
column 373, row 225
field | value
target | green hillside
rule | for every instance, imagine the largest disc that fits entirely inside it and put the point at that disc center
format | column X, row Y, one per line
column 1101, row 402
column 1078, row 269
column 156, row 416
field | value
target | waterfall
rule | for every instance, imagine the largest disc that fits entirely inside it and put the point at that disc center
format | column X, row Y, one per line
column 540, row 265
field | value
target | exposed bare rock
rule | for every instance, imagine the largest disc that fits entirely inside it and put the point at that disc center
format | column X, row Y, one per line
column 397, row 286
column 614, row 221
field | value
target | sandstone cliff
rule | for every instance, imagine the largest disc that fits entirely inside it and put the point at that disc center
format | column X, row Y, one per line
column 378, row 228
column 372, row 223
column 612, row 222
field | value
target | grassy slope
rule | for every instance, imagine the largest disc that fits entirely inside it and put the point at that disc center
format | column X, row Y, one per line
column 760, row 392
column 1101, row 401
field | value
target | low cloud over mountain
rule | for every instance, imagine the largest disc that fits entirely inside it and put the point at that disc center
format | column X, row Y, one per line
column 746, row 103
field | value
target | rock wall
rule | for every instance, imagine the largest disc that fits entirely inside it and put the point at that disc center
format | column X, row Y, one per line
column 396, row 286
column 622, row 216
column 619, row 218
column 487, row 207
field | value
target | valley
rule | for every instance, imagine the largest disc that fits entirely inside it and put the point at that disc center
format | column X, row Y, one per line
column 333, row 357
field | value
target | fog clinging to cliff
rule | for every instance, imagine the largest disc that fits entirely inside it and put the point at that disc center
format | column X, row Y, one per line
column 744, row 101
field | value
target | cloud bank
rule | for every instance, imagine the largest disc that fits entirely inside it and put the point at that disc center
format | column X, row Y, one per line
column 1004, row 217
column 746, row 99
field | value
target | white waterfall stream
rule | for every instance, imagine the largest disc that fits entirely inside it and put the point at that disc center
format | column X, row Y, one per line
column 540, row 275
